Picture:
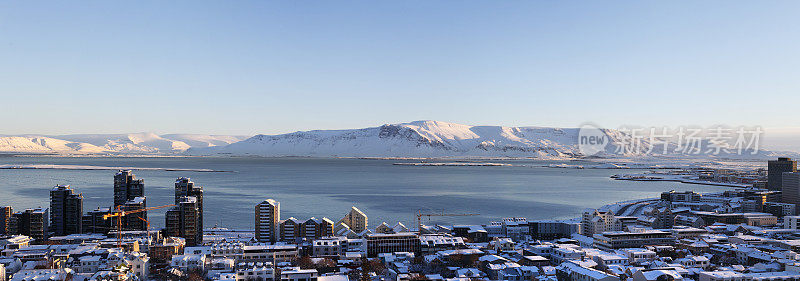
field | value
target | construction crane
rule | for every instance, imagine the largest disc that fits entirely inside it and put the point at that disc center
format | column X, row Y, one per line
column 149, row 238
column 420, row 214
column 118, row 213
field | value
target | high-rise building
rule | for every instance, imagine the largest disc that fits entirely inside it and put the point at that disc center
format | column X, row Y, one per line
column 129, row 196
column 5, row 218
column 185, row 187
column 126, row 187
column 31, row 222
column 315, row 228
column 775, row 170
column 268, row 215
column 182, row 221
column 135, row 221
column 355, row 219
column 790, row 183
column 290, row 230
column 66, row 211
column 93, row 221
column 596, row 222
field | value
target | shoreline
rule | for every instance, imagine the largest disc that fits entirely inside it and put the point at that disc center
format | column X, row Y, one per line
column 102, row 168
column 643, row 177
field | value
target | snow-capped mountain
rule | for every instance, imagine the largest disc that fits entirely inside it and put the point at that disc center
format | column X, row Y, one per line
column 139, row 143
column 443, row 139
column 415, row 139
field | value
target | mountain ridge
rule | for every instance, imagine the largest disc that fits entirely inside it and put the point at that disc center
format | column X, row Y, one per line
column 425, row 138
column 113, row 144
column 417, row 139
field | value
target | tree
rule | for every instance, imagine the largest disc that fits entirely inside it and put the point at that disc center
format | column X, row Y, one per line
column 463, row 260
column 373, row 265
column 195, row 275
column 305, row 262
column 419, row 277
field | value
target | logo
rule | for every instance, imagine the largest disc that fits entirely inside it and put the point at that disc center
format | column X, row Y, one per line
column 592, row 140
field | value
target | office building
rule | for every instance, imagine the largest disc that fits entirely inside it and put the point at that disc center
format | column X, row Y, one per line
column 5, row 217
column 775, row 170
column 184, row 187
column 129, row 196
column 135, row 221
column 126, row 187
column 93, row 221
column 791, row 188
column 389, row 243
column 31, row 222
column 551, row 230
column 182, row 221
column 753, row 219
column 356, row 220
column 66, row 211
column 267, row 220
column 791, row 222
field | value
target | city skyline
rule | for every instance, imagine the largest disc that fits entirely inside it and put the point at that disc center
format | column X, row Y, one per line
column 399, row 141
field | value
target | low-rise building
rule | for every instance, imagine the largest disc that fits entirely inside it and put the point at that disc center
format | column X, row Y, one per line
column 258, row 271
column 638, row 239
column 569, row 271
column 269, row 253
column 389, row 243
column 432, row 243
column 297, row 274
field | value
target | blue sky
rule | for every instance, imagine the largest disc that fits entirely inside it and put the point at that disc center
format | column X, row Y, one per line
column 241, row 67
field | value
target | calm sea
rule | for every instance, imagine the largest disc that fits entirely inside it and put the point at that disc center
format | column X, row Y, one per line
column 308, row 187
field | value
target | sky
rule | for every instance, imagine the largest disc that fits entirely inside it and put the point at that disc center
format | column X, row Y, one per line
column 249, row 67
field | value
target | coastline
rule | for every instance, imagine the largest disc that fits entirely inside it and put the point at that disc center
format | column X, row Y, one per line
column 670, row 178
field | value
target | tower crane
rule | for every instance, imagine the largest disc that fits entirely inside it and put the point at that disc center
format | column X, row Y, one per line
column 118, row 213
column 149, row 238
column 420, row 214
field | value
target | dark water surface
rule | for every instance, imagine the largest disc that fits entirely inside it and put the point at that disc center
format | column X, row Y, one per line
column 308, row 187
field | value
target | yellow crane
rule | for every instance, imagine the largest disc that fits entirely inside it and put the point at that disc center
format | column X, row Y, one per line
column 118, row 213
column 420, row 214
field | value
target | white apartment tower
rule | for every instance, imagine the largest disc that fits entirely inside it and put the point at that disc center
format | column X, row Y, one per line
column 596, row 222
column 355, row 219
column 268, row 215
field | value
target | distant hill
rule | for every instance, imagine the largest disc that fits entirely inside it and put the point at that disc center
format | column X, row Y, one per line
column 424, row 139
column 139, row 143
column 418, row 139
